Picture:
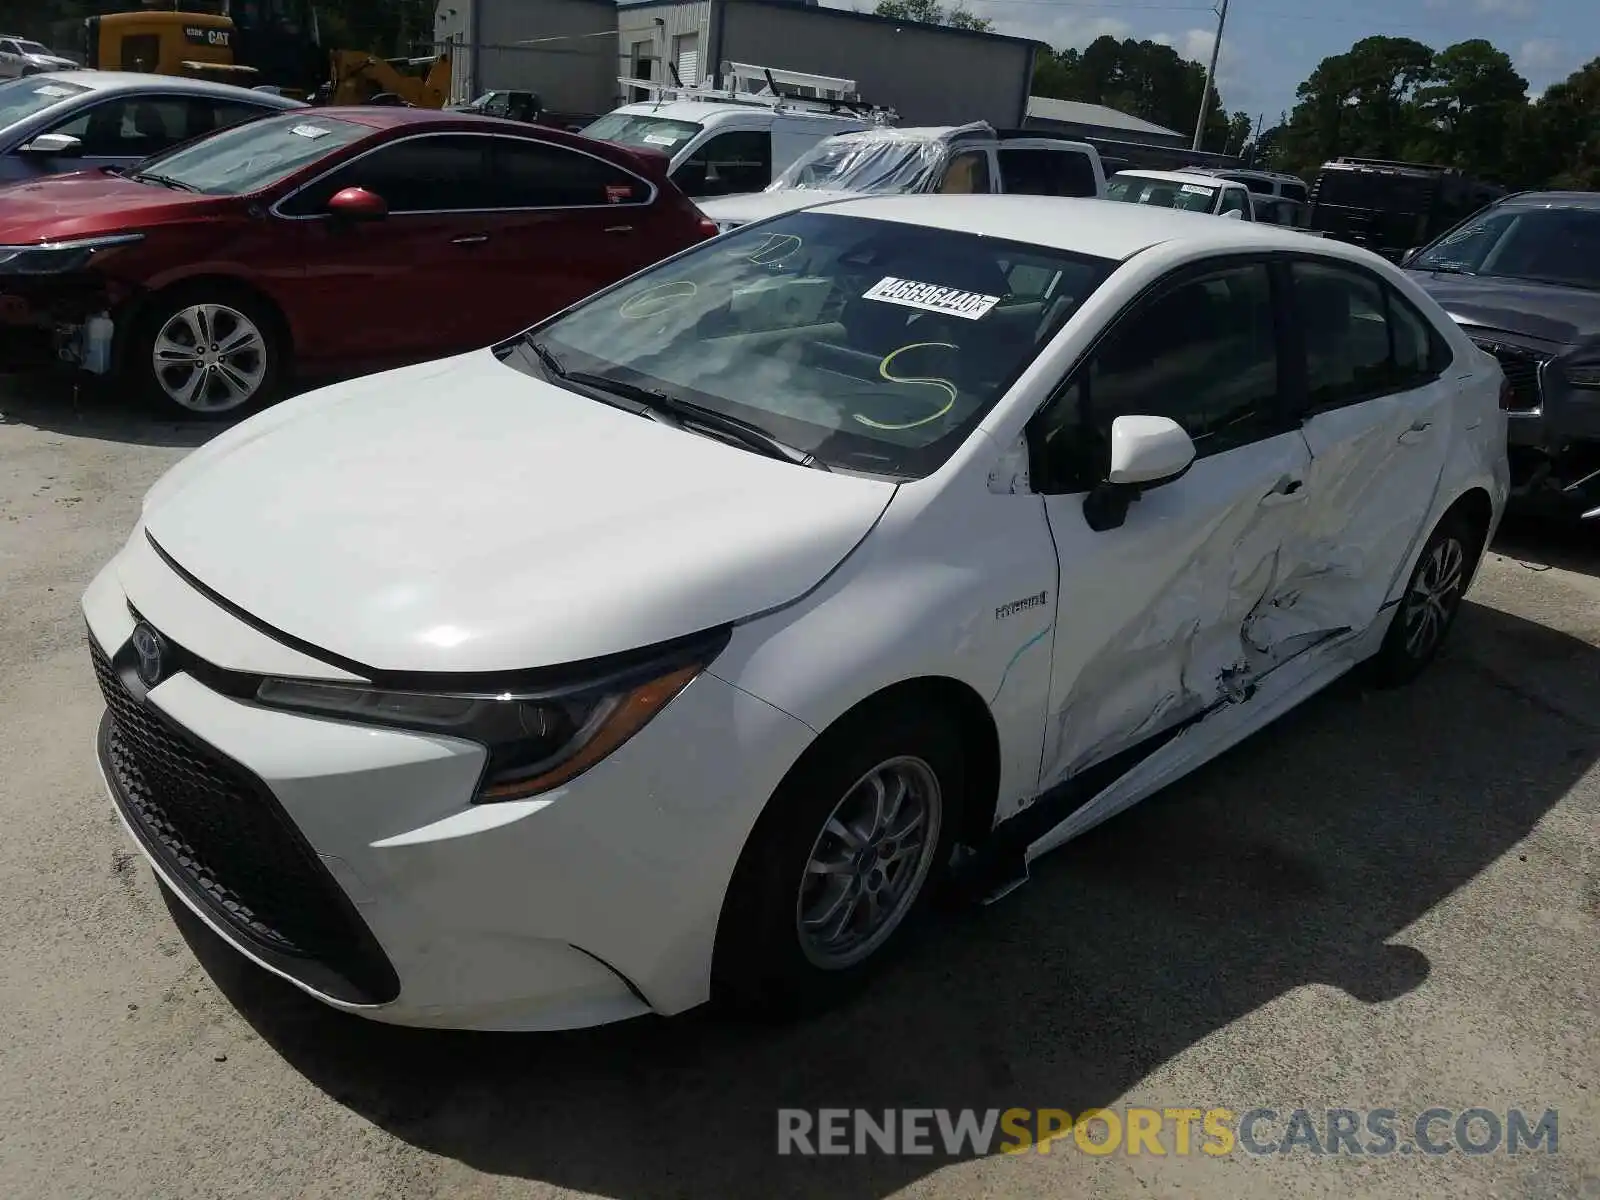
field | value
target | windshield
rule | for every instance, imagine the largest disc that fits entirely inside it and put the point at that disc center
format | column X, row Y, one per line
column 1542, row 245
column 873, row 345
column 33, row 48
column 21, row 98
column 254, row 155
column 1163, row 193
column 637, row 129
column 867, row 162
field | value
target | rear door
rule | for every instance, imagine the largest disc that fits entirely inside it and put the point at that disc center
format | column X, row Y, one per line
column 1377, row 419
column 410, row 285
column 1156, row 618
column 565, row 224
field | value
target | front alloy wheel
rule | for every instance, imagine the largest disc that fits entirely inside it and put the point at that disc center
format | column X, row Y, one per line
column 210, row 358
column 869, row 863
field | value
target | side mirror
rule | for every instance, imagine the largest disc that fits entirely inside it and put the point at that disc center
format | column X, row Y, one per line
column 53, row 145
column 1410, row 254
column 1233, row 214
column 1146, row 452
column 357, row 204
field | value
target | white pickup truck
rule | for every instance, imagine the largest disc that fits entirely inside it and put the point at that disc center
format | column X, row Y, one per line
column 948, row 159
column 1186, row 190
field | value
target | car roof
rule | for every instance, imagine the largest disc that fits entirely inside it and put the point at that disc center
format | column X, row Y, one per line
column 1553, row 200
column 1100, row 228
column 134, row 81
column 1172, row 176
column 700, row 111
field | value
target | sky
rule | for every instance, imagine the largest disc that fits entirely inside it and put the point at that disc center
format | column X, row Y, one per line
column 1270, row 46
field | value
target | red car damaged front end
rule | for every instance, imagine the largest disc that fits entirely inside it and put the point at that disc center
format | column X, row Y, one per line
column 76, row 252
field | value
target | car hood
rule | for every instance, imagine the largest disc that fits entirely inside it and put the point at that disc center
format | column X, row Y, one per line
column 758, row 206
column 1562, row 316
column 84, row 203
column 463, row 516
column 53, row 61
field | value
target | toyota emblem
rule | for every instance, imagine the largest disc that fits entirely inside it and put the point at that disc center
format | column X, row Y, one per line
column 148, row 645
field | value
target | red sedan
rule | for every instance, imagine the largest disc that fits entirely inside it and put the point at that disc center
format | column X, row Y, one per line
column 327, row 240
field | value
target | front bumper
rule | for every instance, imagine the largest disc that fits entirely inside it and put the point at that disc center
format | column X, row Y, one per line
column 351, row 861
column 70, row 315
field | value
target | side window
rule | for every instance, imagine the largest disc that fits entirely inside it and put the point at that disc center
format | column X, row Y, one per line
column 130, row 128
column 1203, row 352
column 1362, row 340
column 1233, row 200
column 1033, row 171
column 419, row 174
column 966, row 173
column 533, row 174
column 1294, row 191
column 141, row 52
column 727, row 164
column 207, row 116
column 1420, row 353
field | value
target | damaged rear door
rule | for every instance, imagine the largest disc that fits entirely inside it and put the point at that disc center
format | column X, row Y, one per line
column 1155, row 617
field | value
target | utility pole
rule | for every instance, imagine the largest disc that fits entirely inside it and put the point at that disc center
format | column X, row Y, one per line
column 1211, row 71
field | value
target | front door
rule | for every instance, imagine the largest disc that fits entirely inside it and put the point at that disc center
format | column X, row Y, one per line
column 1378, row 425
column 1155, row 618
column 407, row 286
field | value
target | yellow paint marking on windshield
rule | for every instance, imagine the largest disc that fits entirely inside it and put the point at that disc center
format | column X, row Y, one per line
column 664, row 297
column 943, row 385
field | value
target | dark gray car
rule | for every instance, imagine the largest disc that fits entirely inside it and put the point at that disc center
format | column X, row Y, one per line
column 1522, row 278
column 76, row 120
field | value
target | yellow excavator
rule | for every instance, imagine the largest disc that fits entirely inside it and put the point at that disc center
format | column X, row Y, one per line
column 285, row 56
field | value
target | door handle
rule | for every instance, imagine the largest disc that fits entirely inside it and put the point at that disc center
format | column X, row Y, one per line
column 619, row 228
column 1289, row 491
column 469, row 239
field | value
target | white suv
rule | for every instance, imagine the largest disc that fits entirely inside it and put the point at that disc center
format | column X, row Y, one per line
column 951, row 160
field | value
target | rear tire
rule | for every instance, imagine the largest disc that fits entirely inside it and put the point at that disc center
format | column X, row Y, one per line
column 207, row 352
column 1432, row 598
column 843, row 863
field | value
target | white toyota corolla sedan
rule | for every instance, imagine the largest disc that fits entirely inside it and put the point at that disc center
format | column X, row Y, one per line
column 680, row 647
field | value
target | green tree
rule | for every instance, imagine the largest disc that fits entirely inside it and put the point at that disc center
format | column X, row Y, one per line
column 1556, row 141
column 1467, row 103
column 930, row 12
column 1143, row 78
column 1361, row 102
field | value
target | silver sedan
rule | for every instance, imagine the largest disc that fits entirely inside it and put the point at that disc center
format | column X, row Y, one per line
column 74, row 120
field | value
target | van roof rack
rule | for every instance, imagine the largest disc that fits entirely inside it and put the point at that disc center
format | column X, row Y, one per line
column 768, row 87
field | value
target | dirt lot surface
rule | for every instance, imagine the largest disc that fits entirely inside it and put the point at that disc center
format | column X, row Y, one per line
column 1389, row 900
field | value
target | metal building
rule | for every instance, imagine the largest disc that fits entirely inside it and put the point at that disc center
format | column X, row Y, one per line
column 572, row 52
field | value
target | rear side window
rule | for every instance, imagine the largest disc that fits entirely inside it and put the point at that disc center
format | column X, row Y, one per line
column 533, row 174
column 1033, row 171
column 1362, row 339
column 419, row 174
column 727, row 164
column 1293, row 191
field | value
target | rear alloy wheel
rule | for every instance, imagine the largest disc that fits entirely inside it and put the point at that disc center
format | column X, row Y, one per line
column 1430, row 604
column 210, row 359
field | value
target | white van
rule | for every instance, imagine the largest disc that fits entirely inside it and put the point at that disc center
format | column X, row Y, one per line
column 941, row 159
column 724, row 143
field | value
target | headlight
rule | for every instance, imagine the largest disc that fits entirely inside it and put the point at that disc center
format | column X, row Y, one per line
column 58, row 258
column 535, row 742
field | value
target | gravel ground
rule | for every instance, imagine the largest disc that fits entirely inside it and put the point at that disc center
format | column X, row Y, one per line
column 1389, row 900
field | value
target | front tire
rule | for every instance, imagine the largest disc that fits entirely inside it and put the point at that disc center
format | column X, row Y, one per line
column 208, row 353
column 1432, row 598
column 843, row 863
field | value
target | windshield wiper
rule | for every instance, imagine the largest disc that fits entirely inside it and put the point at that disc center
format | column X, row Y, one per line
column 656, row 404
column 549, row 361
column 168, row 181
column 1444, row 269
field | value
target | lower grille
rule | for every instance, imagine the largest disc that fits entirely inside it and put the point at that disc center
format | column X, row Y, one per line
column 225, row 840
column 1521, row 367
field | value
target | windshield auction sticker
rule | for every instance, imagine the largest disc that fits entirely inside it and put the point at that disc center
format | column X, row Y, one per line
column 309, row 131
column 1195, row 189
column 931, row 297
